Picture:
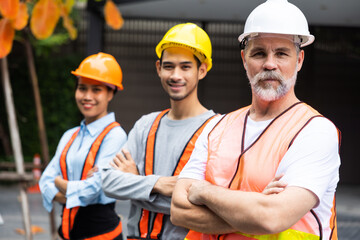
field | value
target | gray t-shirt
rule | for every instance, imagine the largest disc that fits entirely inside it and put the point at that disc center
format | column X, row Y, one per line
column 171, row 139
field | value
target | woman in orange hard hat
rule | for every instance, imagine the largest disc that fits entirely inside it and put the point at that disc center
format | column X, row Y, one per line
column 71, row 177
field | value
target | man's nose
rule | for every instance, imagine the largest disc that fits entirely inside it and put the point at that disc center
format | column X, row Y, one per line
column 270, row 63
column 176, row 74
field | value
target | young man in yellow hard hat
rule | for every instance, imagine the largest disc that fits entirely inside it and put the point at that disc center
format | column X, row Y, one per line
column 218, row 191
column 161, row 142
column 87, row 213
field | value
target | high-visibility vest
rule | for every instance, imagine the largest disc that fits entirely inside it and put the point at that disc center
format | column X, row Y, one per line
column 68, row 216
column 231, row 165
column 153, row 229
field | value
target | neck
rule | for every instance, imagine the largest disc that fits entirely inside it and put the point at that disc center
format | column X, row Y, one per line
column 185, row 109
column 89, row 120
column 264, row 110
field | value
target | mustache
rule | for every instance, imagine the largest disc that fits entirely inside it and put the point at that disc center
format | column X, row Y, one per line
column 269, row 75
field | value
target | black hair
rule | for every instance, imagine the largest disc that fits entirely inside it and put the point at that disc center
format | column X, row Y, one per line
column 115, row 90
column 198, row 63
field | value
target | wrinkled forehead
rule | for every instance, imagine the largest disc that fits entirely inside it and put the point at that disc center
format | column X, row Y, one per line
column 271, row 40
column 292, row 38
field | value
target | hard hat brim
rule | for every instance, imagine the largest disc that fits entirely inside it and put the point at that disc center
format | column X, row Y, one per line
column 119, row 87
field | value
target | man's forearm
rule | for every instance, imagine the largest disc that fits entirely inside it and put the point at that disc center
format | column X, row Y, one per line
column 127, row 186
column 256, row 213
column 197, row 218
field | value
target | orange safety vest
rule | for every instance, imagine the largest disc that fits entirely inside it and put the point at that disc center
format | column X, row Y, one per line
column 68, row 216
column 251, row 169
column 153, row 230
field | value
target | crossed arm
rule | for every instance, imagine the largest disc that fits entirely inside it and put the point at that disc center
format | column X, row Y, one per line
column 125, row 163
column 61, row 185
column 203, row 207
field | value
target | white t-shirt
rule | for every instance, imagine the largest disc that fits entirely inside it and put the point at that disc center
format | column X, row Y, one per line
column 312, row 162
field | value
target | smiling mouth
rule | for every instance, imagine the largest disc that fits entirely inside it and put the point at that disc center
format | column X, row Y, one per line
column 87, row 105
column 176, row 86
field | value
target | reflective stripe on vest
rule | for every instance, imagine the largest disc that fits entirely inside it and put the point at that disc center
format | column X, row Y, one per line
column 239, row 172
column 69, row 214
column 285, row 235
column 146, row 227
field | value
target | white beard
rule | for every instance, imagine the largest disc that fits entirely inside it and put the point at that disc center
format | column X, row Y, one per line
column 266, row 91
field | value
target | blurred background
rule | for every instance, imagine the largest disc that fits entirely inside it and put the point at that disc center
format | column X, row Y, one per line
column 328, row 81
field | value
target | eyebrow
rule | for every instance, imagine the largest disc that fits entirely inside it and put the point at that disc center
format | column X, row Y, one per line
column 283, row 49
column 184, row 62
column 280, row 49
column 85, row 84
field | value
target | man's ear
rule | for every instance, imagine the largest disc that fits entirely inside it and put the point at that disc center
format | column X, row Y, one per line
column 243, row 59
column 300, row 60
column 158, row 67
column 202, row 71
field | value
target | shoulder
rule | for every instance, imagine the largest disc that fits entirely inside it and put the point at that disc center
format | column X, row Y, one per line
column 149, row 117
column 319, row 139
column 67, row 135
column 117, row 134
column 321, row 126
column 146, row 120
column 143, row 124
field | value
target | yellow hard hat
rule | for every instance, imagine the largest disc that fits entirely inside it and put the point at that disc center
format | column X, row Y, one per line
column 189, row 36
column 101, row 67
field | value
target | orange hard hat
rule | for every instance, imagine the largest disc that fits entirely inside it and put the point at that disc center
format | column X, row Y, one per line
column 101, row 67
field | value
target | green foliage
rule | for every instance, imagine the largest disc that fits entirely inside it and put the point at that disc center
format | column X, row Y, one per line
column 50, row 44
column 57, row 88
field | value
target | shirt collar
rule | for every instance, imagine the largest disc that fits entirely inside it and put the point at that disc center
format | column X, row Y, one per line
column 98, row 125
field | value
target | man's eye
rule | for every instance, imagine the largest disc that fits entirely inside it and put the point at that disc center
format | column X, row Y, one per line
column 282, row 54
column 258, row 54
column 167, row 67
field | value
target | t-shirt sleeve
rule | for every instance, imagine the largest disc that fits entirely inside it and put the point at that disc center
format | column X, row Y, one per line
column 312, row 162
column 196, row 166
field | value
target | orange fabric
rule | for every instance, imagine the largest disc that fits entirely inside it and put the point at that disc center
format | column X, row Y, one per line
column 333, row 222
column 144, row 223
column 158, row 223
column 66, row 223
column 67, row 218
column 69, row 214
column 149, row 170
column 150, row 144
column 90, row 160
column 193, row 235
column 190, row 148
column 63, row 155
column 253, row 168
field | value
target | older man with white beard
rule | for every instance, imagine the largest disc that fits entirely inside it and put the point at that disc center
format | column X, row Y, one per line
column 218, row 193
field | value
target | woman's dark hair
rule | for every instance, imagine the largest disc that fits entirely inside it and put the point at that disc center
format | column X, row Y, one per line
column 115, row 90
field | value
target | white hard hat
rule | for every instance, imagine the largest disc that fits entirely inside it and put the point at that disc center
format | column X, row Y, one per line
column 278, row 17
